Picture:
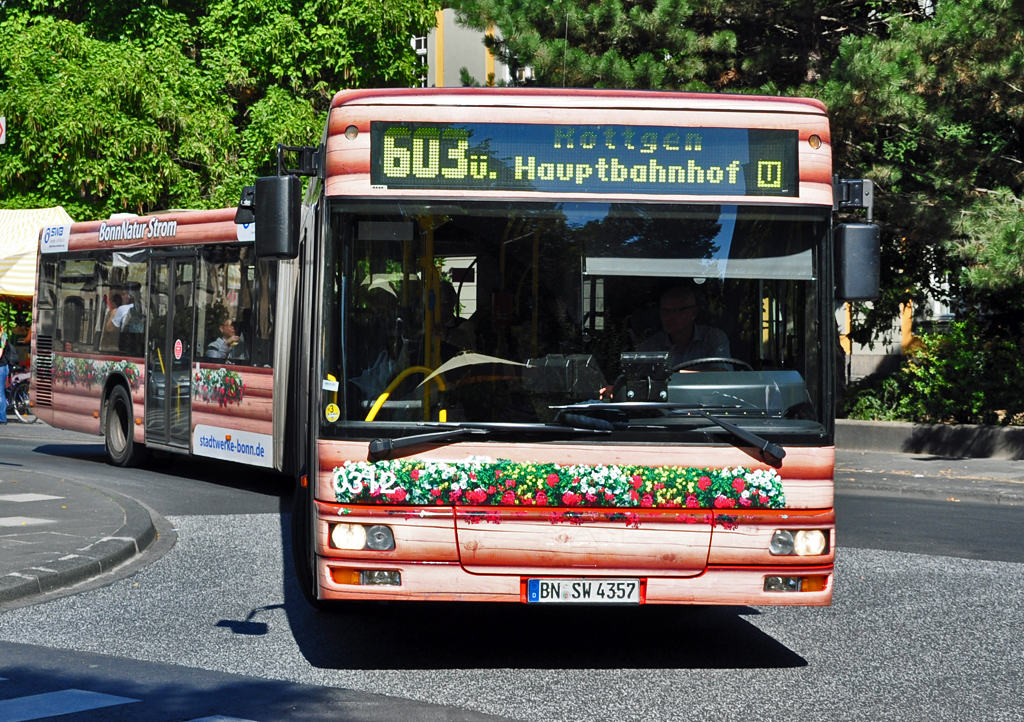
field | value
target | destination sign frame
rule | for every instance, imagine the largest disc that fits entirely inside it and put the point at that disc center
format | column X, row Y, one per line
column 606, row 159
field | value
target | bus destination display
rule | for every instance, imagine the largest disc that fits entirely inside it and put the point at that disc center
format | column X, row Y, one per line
column 584, row 158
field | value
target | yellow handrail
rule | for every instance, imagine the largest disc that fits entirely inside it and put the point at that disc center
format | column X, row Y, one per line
column 442, row 415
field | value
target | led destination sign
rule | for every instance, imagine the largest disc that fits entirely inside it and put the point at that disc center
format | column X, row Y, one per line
column 584, row 158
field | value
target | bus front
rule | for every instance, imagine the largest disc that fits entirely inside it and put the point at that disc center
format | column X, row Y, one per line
column 571, row 347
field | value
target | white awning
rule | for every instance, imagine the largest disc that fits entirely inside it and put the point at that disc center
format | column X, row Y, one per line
column 19, row 246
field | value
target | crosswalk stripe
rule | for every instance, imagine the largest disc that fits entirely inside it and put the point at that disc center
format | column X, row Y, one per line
column 22, row 521
column 220, row 718
column 52, row 704
column 21, row 498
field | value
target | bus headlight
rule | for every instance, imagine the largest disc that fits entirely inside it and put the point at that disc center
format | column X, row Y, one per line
column 348, row 536
column 380, row 538
column 809, row 542
column 804, row 543
column 782, row 543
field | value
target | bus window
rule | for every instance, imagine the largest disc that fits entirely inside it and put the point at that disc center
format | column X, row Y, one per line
column 234, row 307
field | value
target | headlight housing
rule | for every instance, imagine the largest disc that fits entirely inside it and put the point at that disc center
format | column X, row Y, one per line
column 804, row 543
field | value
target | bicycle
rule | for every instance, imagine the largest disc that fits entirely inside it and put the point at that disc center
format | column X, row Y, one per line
column 18, row 402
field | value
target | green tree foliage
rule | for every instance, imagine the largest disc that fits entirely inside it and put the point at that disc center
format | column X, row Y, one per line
column 119, row 106
column 925, row 98
column 932, row 111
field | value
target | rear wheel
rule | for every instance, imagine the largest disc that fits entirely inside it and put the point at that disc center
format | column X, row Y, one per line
column 21, row 404
column 122, row 450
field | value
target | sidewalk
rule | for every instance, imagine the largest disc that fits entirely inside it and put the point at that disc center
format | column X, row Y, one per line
column 55, row 533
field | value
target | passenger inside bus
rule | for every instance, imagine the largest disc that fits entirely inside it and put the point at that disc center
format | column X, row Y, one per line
column 224, row 346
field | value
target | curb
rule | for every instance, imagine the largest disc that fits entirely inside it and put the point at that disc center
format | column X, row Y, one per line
column 961, row 440
column 983, row 496
column 134, row 537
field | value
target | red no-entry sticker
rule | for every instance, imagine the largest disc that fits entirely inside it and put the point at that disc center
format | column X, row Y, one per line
column 177, row 350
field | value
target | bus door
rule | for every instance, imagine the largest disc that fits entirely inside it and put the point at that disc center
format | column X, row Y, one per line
column 169, row 349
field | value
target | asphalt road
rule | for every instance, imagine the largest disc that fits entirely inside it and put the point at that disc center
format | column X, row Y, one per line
column 926, row 624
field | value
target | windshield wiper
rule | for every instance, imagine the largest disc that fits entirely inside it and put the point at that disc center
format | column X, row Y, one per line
column 603, row 422
column 383, row 448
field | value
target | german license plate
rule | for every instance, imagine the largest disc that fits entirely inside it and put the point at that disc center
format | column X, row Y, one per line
column 583, row 591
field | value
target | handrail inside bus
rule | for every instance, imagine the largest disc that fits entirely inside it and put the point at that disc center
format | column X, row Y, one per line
column 442, row 415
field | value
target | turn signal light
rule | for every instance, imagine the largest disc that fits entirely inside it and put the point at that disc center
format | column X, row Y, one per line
column 367, row 577
column 816, row 583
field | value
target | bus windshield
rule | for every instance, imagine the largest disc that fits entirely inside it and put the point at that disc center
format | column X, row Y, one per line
column 514, row 313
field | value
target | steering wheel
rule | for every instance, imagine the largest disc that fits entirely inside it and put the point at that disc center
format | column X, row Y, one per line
column 709, row 360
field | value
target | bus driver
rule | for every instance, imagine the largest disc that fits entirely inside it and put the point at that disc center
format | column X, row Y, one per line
column 681, row 336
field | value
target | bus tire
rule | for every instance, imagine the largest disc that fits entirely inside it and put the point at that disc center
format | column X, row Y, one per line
column 119, row 436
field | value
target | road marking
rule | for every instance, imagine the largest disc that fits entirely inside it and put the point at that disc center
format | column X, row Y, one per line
column 22, row 521
column 28, row 497
column 52, row 704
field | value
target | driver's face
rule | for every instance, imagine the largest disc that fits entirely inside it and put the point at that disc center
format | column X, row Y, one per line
column 678, row 314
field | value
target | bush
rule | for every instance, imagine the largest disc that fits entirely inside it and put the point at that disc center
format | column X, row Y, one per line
column 953, row 377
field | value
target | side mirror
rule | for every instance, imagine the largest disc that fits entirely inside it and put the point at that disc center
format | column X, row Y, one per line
column 858, row 260
column 278, row 210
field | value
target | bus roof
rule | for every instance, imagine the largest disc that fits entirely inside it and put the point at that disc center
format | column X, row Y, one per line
column 520, row 126
column 129, row 232
column 579, row 98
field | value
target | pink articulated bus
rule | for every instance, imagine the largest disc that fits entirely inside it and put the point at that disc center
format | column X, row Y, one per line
column 159, row 332
column 546, row 346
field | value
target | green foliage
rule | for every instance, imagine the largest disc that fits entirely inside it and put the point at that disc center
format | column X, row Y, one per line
column 140, row 106
column 959, row 376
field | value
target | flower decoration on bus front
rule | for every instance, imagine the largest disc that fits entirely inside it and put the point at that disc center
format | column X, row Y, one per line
column 484, row 482
column 218, row 386
column 89, row 373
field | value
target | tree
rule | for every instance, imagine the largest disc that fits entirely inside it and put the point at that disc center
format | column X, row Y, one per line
column 925, row 100
column 139, row 106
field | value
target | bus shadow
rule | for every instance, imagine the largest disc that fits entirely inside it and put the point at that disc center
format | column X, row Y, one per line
column 466, row 635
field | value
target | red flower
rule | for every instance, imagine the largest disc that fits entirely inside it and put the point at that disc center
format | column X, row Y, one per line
column 509, row 483
column 497, row 473
column 647, row 501
column 744, row 502
column 637, row 481
column 454, row 494
column 691, row 502
column 763, row 499
column 576, row 480
column 571, row 499
column 398, row 495
column 722, row 503
column 509, row 498
column 415, row 474
column 552, row 479
column 541, row 498
column 472, row 476
column 477, row 496
column 435, row 492
column 738, row 485
column 591, row 497
column 659, row 485
column 703, row 483
column 608, row 496
column 633, row 495
column 491, row 490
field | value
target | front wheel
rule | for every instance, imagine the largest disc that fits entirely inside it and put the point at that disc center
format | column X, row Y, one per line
column 21, row 405
column 119, row 436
